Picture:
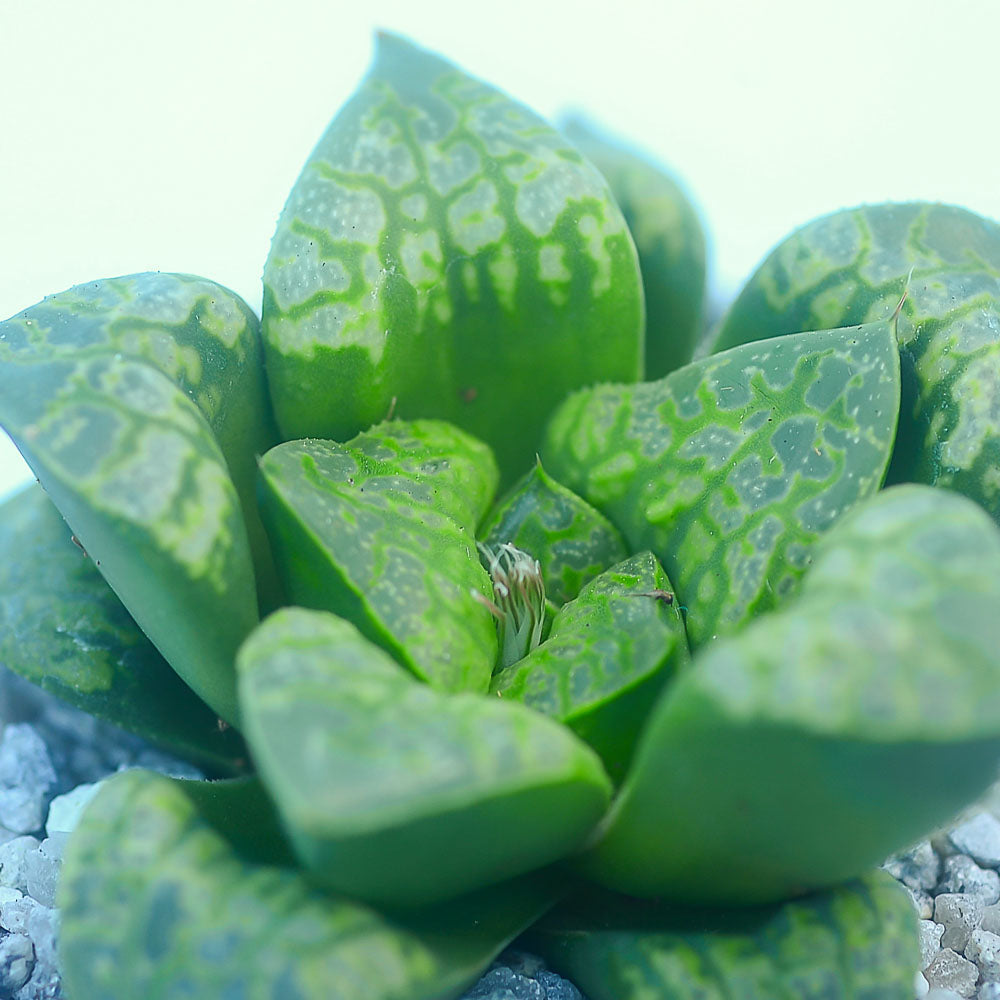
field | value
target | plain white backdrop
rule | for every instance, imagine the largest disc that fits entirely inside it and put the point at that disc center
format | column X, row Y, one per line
column 137, row 137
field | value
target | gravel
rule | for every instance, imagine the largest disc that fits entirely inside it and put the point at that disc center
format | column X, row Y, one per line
column 52, row 758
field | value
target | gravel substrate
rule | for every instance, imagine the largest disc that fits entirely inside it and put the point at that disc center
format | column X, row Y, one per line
column 51, row 757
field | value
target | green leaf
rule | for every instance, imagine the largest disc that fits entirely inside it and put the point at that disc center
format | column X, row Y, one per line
column 381, row 531
column 393, row 792
column 832, row 732
column 157, row 904
column 63, row 628
column 134, row 467
column 669, row 238
column 447, row 253
column 571, row 540
column 607, row 657
column 857, row 941
column 202, row 336
column 852, row 267
column 731, row 468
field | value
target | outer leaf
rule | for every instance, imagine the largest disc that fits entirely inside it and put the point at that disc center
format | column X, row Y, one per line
column 731, row 468
column 669, row 238
column 134, row 467
column 571, row 540
column 394, row 793
column 63, row 628
column 832, row 732
column 446, row 251
column 382, row 532
column 855, row 942
column 606, row 659
column 851, row 267
column 156, row 904
column 202, row 336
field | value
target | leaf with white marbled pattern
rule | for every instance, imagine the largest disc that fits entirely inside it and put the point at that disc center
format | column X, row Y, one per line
column 446, row 252
column 164, row 898
column 731, row 468
column 381, row 531
column 396, row 793
column 832, row 732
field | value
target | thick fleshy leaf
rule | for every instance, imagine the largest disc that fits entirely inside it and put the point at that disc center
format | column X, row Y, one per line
column 731, row 468
column 448, row 253
column 851, row 267
column 133, row 466
column 393, row 792
column 607, row 657
column 381, row 531
column 857, row 941
column 571, row 540
column 62, row 627
column 157, row 904
column 669, row 238
column 202, row 336
column 831, row 732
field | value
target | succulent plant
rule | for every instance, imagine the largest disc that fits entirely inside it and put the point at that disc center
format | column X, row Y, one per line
column 476, row 633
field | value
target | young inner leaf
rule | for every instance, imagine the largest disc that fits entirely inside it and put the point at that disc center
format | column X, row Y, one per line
column 519, row 600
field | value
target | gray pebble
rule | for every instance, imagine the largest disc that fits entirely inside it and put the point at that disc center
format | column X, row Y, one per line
column 930, row 940
column 940, row 993
column 24, row 758
column 960, row 914
column 923, row 902
column 42, row 877
column 43, row 929
column 22, row 810
column 501, row 983
column 989, row 991
column 961, row 874
column 14, row 862
column 27, row 778
column 918, row 868
column 557, row 988
column 920, row 986
column 950, row 971
column 65, row 810
column 984, row 949
column 991, row 919
column 979, row 837
column 17, row 962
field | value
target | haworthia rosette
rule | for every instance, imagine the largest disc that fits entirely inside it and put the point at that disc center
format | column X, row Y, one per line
column 571, row 540
column 445, row 253
column 609, row 653
column 133, row 466
column 857, row 940
column 832, row 732
column 201, row 336
column 670, row 241
column 63, row 628
column 851, row 267
column 156, row 903
column 731, row 468
column 393, row 792
column 381, row 531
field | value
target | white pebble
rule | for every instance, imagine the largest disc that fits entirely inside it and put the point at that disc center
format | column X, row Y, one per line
column 65, row 809
column 950, row 971
column 984, row 949
column 14, row 862
column 979, row 837
column 930, row 941
column 960, row 915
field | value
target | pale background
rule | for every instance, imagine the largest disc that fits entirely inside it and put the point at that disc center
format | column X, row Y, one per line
column 137, row 137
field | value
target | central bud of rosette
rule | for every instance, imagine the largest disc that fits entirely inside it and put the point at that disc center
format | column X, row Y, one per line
column 518, row 600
